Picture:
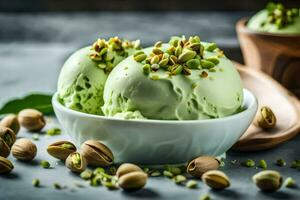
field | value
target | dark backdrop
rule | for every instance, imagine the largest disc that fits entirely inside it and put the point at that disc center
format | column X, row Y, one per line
column 125, row 5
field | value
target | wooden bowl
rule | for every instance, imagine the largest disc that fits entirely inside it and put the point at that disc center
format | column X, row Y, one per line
column 275, row 54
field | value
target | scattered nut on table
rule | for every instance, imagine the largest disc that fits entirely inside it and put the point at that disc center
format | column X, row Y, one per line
column 31, row 119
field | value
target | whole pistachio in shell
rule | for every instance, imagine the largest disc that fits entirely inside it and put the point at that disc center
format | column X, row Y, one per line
column 7, row 135
column 266, row 118
column 96, row 153
column 31, row 119
column 131, row 177
column 202, row 164
column 4, row 149
column 5, row 165
column 61, row 149
column 11, row 121
column 76, row 162
column 216, row 179
column 268, row 180
column 24, row 149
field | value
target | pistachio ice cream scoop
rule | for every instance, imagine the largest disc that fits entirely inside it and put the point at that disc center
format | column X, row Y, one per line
column 82, row 77
column 275, row 18
column 183, row 80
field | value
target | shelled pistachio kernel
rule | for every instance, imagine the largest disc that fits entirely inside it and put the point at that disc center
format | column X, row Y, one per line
column 202, row 164
column 289, row 182
column 146, row 69
column 4, row 149
column 179, row 179
column 7, row 135
column 24, row 149
column 205, row 64
column 268, row 180
column 131, row 177
column 263, row 164
column 86, row 175
column 45, row 164
column 168, row 174
column 191, row 184
column 139, row 56
column 31, row 119
column 54, row 131
column 76, row 162
column 216, row 179
column 96, row 153
column 11, row 121
column 211, row 47
column 265, row 118
column 280, row 162
column 61, row 149
column 35, row 183
column 193, row 63
column 249, row 163
column 214, row 60
column 5, row 166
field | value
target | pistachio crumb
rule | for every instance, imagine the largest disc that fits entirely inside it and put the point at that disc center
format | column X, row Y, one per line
column 249, row 163
column 289, row 182
column 205, row 197
column 57, row 186
column 35, row 136
column 45, row 164
column 280, row 162
column 54, row 131
column 35, row 183
column 191, row 184
column 263, row 164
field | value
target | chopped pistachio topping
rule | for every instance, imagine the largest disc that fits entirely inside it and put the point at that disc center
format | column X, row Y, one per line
column 35, row 182
column 280, row 162
column 263, row 164
column 289, row 182
column 54, row 131
column 104, row 51
column 249, row 163
column 45, row 164
column 280, row 16
column 180, row 57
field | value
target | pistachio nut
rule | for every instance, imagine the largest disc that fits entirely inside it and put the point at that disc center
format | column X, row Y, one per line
column 5, row 165
column 96, row 153
column 24, row 149
column 4, row 149
column 202, row 164
column 76, row 162
column 268, row 180
column 186, row 55
column 216, row 179
column 131, row 177
column 7, row 135
column 265, row 118
column 61, row 149
column 11, row 121
column 133, row 180
column 127, row 168
column 31, row 119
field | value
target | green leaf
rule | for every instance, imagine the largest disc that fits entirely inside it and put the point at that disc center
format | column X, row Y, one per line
column 41, row 102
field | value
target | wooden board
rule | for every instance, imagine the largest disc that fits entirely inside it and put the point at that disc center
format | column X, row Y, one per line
column 284, row 104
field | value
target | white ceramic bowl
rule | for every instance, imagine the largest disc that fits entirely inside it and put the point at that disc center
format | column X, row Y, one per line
column 158, row 141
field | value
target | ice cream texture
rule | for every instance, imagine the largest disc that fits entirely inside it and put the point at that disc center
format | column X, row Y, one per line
column 276, row 19
column 83, row 76
column 183, row 80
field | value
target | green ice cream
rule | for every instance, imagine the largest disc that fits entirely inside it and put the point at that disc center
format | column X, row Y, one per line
column 276, row 19
column 193, row 87
column 82, row 77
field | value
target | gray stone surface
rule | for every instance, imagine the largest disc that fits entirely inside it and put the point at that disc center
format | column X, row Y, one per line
column 32, row 50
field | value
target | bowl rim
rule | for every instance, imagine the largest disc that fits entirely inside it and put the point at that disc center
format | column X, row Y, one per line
column 241, row 27
column 253, row 104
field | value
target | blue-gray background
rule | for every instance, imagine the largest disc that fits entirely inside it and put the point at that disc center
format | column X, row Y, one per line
column 36, row 36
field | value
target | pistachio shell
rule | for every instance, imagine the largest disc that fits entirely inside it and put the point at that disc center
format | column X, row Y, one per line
column 5, row 165
column 202, row 164
column 216, row 179
column 96, row 153
column 73, row 166
column 7, row 135
column 11, row 121
column 133, row 180
column 57, row 150
column 31, row 119
column 268, row 180
column 24, row 149
column 127, row 168
column 4, row 149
